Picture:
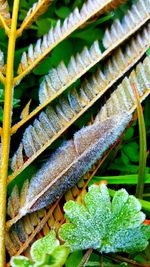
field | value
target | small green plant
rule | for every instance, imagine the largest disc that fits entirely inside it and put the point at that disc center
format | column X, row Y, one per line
column 106, row 226
column 44, row 252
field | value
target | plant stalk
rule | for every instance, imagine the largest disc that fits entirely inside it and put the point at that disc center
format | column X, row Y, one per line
column 85, row 258
column 6, row 132
column 143, row 146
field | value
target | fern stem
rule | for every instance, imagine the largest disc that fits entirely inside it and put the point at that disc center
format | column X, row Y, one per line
column 6, row 28
column 6, row 133
column 143, row 147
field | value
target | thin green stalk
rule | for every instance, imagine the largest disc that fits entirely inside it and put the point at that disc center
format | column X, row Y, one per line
column 6, row 131
column 122, row 179
column 143, row 146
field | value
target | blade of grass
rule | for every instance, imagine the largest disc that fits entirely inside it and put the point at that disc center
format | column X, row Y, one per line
column 143, row 146
column 121, row 179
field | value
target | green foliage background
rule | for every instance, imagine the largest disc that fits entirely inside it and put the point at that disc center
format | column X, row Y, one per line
column 122, row 161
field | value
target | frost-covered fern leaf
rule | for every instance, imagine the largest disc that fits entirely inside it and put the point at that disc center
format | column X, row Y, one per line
column 44, row 130
column 61, row 78
column 70, row 162
column 58, row 33
column 132, row 21
column 34, row 12
column 41, row 6
column 4, row 12
column 103, row 225
column 123, row 97
column 135, row 17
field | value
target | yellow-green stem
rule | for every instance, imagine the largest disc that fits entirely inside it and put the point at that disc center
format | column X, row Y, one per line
column 143, row 146
column 6, row 133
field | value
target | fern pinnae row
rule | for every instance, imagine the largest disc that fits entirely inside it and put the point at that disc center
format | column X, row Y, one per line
column 123, row 97
column 57, row 34
column 113, row 45
column 61, row 78
column 41, row 6
column 116, row 66
column 43, row 47
column 33, row 13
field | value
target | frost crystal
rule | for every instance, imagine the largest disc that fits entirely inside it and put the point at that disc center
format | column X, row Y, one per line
column 106, row 226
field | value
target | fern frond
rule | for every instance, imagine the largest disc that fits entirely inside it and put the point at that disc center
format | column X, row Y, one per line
column 123, row 97
column 53, row 122
column 61, row 78
column 41, row 6
column 34, row 12
column 5, row 19
column 132, row 21
column 69, row 163
column 53, row 92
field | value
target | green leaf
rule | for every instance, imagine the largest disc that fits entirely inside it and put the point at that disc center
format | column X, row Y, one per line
column 1, row 114
column 21, row 261
column 44, row 246
column 148, row 51
column 106, row 226
column 131, row 150
column 90, row 35
column 129, row 134
column 56, row 259
column 62, row 12
column 44, row 25
column 74, row 259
